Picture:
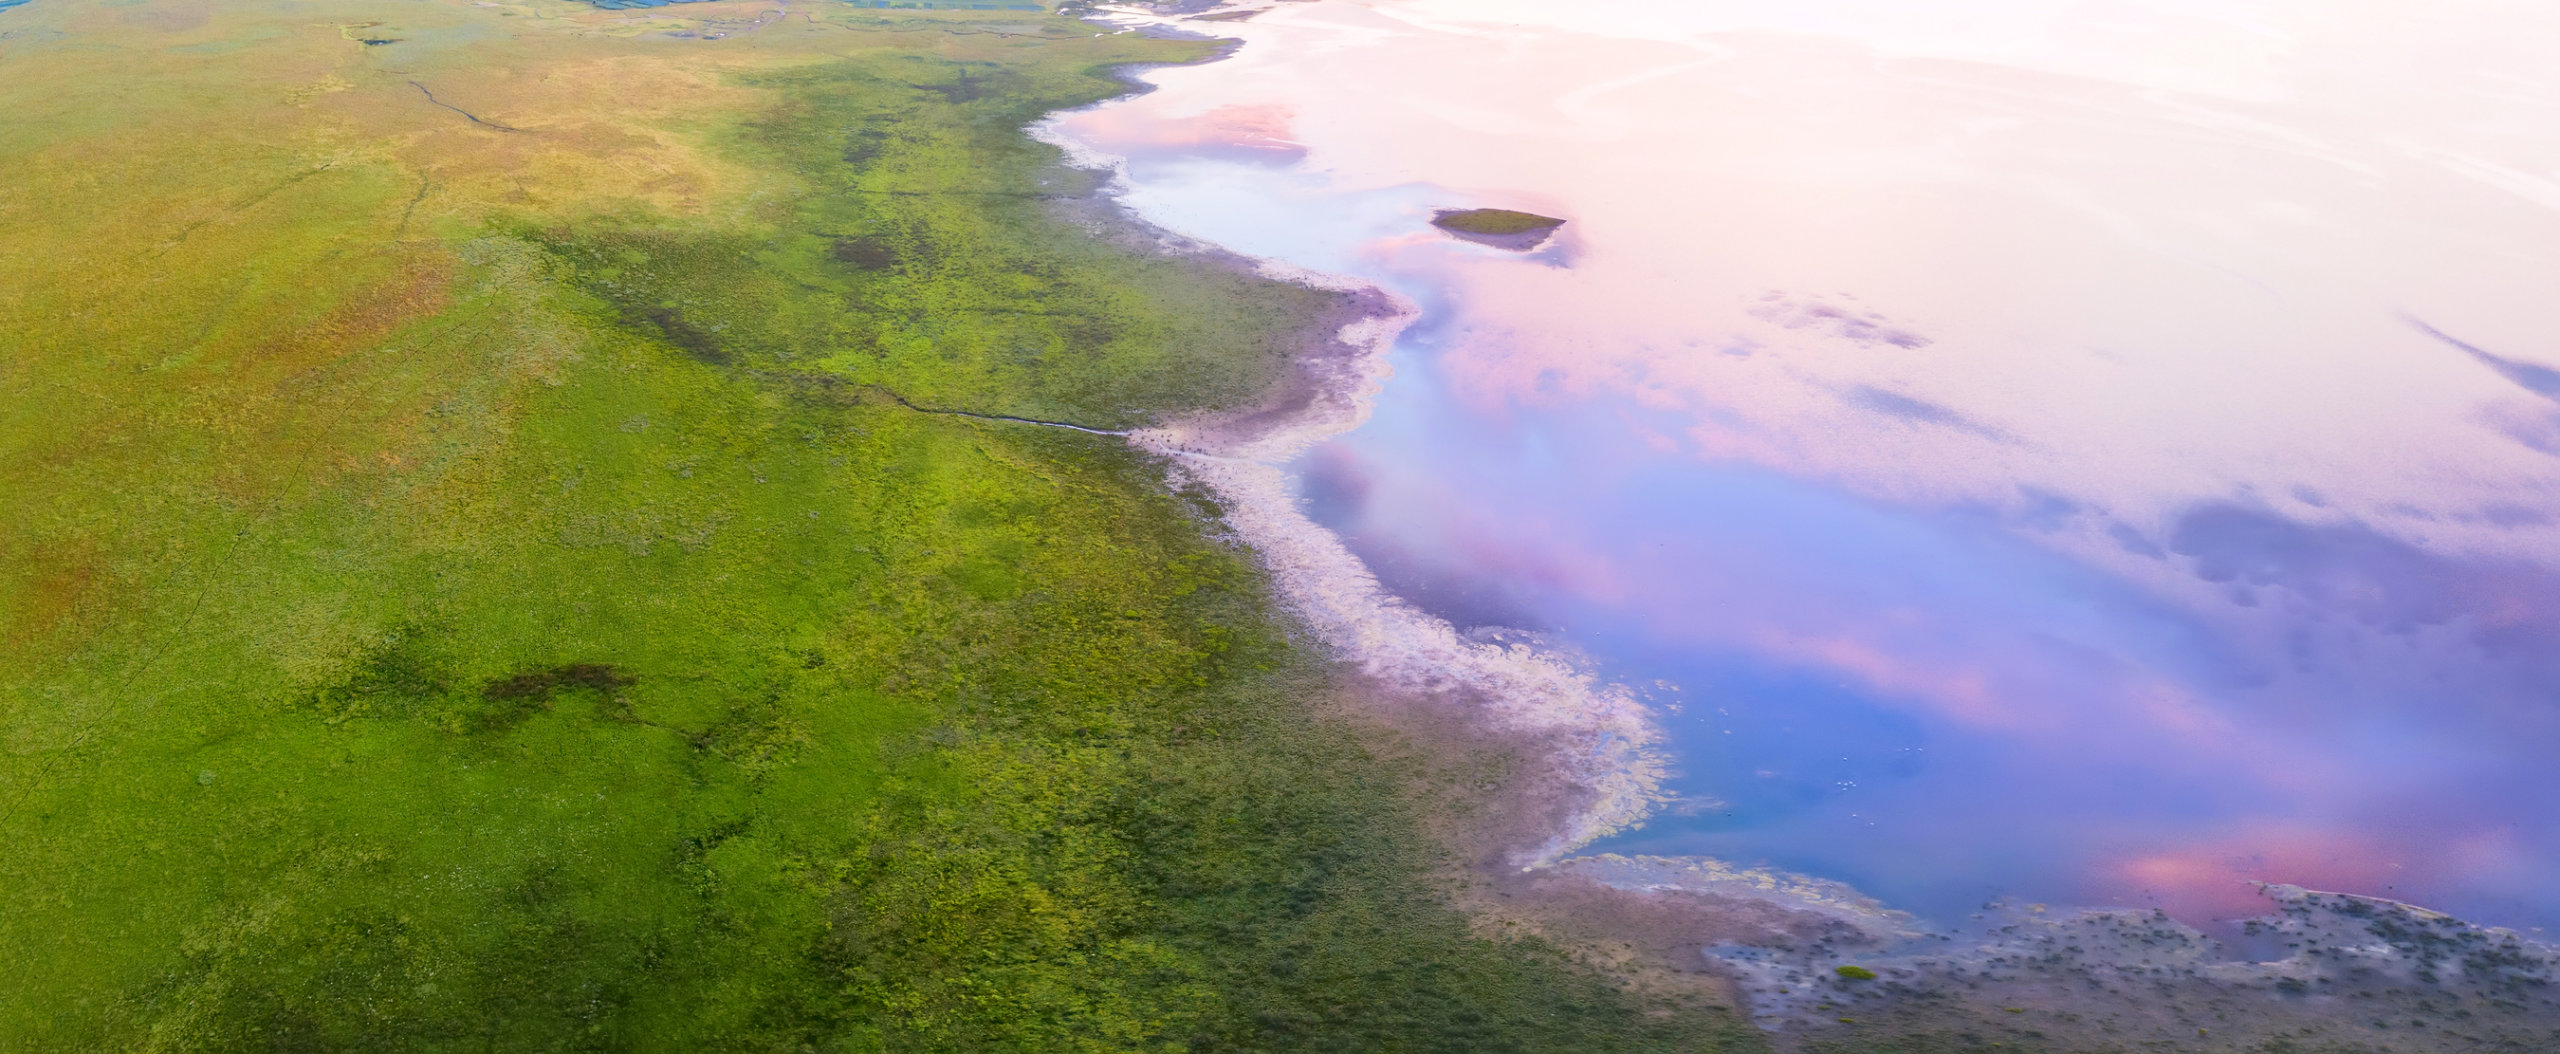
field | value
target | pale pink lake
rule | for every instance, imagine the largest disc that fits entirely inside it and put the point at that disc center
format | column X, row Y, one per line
column 2090, row 452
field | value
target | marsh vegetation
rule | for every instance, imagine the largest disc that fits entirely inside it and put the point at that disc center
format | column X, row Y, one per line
column 474, row 577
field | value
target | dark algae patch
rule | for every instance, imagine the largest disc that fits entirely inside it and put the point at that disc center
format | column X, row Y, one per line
column 670, row 324
column 481, row 599
column 509, row 701
column 540, row 684
column 869, row 254
column 1501, row 228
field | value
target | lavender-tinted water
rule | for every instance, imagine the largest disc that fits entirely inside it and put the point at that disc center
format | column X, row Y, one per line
column 2093, row 452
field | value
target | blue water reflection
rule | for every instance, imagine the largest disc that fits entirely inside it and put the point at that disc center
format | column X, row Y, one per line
column 2069, row 471
column 1928, row 702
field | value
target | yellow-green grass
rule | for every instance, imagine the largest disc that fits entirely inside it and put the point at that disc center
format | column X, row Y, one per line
column 467, row 588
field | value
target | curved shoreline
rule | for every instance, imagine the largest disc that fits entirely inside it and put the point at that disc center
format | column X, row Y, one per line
column 1779, row 938
column 1598, row 741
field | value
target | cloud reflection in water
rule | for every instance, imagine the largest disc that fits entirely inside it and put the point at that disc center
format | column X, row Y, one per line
column 2009, row 431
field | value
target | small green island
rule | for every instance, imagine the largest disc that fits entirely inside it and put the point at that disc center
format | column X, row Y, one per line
column 1501, row 228
column 1493, row 221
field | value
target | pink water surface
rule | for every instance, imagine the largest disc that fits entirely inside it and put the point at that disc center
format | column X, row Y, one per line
column 2103, row 451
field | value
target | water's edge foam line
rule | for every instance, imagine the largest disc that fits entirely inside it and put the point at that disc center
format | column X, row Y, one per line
column 1603, row 739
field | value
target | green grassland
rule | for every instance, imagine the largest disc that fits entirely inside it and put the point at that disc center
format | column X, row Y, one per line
column 465, row 582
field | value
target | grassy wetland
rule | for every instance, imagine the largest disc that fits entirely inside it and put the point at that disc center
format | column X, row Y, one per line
column 479, row 571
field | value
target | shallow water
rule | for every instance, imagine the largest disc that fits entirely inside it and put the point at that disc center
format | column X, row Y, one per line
column 2100, row 453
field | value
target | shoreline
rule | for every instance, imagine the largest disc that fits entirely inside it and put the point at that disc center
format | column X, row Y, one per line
column 1570, row 759
column 1598, row 771
column 1581, row 762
